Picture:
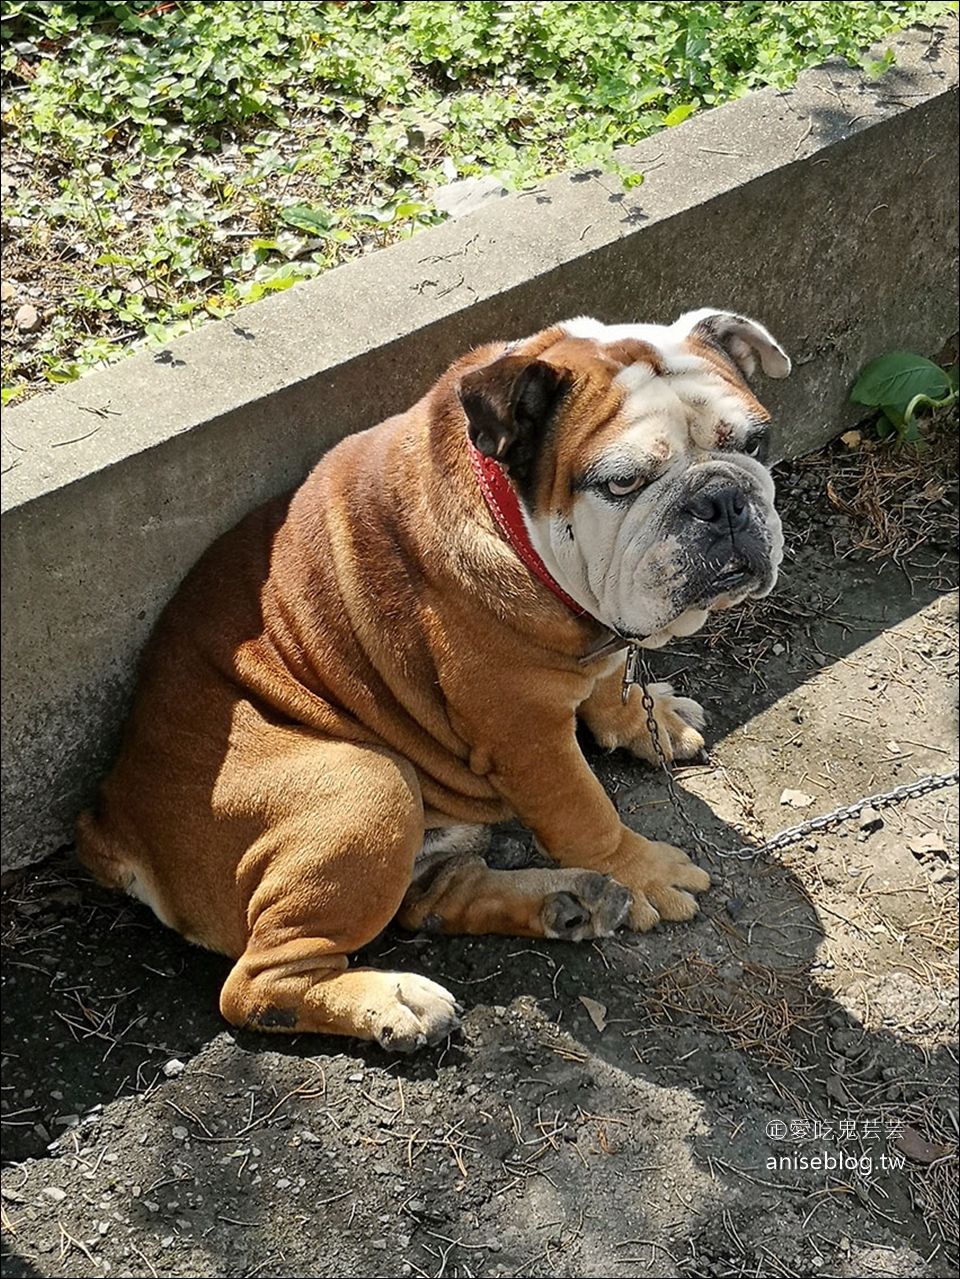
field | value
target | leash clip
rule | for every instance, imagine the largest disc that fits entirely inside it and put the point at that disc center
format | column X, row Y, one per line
column 630, row 668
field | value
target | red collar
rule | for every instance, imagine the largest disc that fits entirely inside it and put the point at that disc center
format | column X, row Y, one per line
column 505, row 509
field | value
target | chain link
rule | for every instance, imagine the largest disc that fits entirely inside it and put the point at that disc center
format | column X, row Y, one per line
column 636, row 671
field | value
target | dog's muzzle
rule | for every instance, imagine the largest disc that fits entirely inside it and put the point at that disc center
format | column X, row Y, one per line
column 724, row 516
column 726, row 534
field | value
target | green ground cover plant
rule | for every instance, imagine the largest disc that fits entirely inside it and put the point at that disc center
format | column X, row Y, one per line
column 168, row 162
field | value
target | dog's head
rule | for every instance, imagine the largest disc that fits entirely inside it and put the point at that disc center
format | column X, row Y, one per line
column 637, row 453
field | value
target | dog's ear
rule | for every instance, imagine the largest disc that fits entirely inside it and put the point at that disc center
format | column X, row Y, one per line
column 740, row 339
column 510, row 405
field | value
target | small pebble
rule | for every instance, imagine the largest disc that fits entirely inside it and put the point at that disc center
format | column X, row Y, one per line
column 870, row 819
column 27, row 318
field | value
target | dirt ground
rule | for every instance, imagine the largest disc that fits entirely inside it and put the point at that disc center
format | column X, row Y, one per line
column 771, row 1090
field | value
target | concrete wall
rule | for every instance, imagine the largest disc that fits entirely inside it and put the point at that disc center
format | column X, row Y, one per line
column 829, row 212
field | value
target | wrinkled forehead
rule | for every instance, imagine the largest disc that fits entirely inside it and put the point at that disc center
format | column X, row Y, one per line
column 654, row 379
column 671, row 351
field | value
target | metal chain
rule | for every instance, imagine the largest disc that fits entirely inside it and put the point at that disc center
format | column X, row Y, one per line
column 636, row 671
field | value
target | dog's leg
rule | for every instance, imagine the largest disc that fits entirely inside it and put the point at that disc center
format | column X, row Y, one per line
column 614, row 723
column 326, row 876
column 461, row 894
column 320, row 995
column 551, row 788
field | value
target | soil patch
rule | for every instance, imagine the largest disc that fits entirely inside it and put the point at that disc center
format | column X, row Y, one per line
column 771, row 1090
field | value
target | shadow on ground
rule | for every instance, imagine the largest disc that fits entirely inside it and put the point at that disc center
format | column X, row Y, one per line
column 770, row 1090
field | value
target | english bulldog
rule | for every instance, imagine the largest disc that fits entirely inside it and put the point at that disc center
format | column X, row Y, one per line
column 359, row 679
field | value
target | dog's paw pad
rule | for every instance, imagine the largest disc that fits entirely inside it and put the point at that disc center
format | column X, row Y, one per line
column 593, row 906
column 421, row 1013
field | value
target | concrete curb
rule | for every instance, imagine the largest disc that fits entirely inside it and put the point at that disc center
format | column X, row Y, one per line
column 829, row 212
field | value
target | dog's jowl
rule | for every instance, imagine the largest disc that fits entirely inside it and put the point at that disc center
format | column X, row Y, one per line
column 359, row 679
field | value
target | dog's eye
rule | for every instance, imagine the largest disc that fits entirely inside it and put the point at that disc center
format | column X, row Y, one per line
column 756, row 446
column 623, row 485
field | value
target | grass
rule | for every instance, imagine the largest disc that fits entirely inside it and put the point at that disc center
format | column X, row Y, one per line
column 168, row 162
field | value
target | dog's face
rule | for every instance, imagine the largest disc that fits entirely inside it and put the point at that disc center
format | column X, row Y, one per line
column 637, row 452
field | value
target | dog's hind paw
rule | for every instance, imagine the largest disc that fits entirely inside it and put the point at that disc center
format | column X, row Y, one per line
column 420, row 1013
column 591, row 906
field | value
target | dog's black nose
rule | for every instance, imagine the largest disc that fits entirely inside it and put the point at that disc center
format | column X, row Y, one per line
column 724, row 509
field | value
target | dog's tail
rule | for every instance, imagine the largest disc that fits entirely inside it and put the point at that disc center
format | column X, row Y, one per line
column 102, row 857
column 115, row 865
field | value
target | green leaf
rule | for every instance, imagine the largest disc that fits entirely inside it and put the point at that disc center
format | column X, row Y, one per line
column 874, row 69
column 314, row 219
column 411, row 209
column 64, row 373
column 893, row 380
column 380, row 216
column 679, row 114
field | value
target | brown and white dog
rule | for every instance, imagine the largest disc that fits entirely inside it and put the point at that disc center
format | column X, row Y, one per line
column 358, row 677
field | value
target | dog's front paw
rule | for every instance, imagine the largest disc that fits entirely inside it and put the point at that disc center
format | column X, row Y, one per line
column 678, row 719
column 591, row 906
column 419, row 1013
column 662, row 880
